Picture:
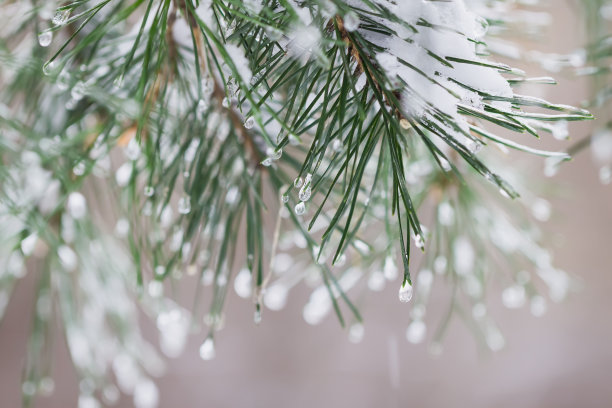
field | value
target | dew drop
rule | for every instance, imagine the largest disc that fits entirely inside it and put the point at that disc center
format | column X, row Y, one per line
column 63, row 81
column 274, row 154
column 439, row 264
column 537, row 306
column 446, row 214
column 225, row 102
column 149, row 191
column 267, row 162
column 513, row 297
column 132, row 150
column 405, row 292
column 445, row 164
column 415, row 333
column 390, row 269
column 419, row 242
column 376, row 282
column 337, row 145
column 49, row 67
column 356, row 333
column 79, row 169
column 146, row 394
column 249, row 123
column 298, row 182
column 28, row 244
column 44, row 38
column 60, row 17
column 541, row 209
column 243, row 283
column 257, row 315
column 78, row 91
column 207, row 349
column 184, row 205
column 300, row 208
column 285, row 198
column 77, row 205
column 305, row 192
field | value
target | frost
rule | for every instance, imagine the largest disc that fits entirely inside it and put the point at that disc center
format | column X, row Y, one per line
column 432, row 87
column 240, row 62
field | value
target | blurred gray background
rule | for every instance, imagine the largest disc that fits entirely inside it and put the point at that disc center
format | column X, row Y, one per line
column 563, row 359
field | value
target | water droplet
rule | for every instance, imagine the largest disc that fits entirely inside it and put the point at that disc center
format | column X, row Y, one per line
column 274, row 154
column 242, row 283
column 356, row 333
column 551, row 166
column 257, row 315
column 63, row 81
column 77, row 205
column 88, row 401
column 207, row 349
column 122, row 227
column 419, row 241
column 305, row 192
column 28, row 244
column 538, row 306
column 267, row 162
column 446, row 214
column 67, row 257
column 495, row 340
column 60, row 17
column 275, row 297
column 390, row 269
column 351, row 21
column 376, row 282
column 79, row 169
column 123, row 174
column 298, row 182
column 225, row 102
column 439, row 264
column 184, row 205
column 28, row 388
column 404, row 124
column 337, row 145
column 149, row 191
column 504, row 193
column 78, row 91
column 415, row 333
column 49, row 67
column 513, row 297
column 405, row 292
column 300, row 208
column 445, row 164
column 155, row 289
column 249, row 123
column 464, row 256
column 146, row 394
column 541, row 209
column 132, row 150
column 285, row 198
column 44, row 38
